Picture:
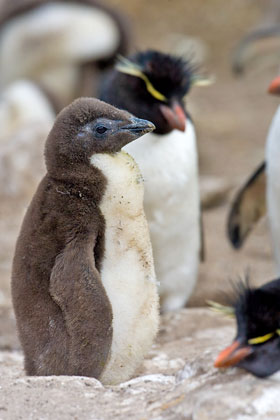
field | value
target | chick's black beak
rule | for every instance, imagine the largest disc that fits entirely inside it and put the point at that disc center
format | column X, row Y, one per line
column 138, row 126
column 232, row 355
column 174, row 115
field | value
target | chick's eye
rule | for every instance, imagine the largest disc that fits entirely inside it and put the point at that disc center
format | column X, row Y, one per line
column 101, row 129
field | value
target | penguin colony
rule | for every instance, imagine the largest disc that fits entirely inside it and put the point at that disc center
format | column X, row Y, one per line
column 84, row 287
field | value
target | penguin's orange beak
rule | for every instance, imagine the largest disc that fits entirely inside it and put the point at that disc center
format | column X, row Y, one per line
column 274, row 86
column 232, row 355
column 174, row 115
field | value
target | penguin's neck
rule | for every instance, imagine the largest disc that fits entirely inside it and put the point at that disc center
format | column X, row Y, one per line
column 85, row 182
column 124, row 182
column 166, row 152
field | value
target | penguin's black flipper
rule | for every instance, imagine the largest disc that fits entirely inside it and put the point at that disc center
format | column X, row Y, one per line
column 248, row 207
column 76, row 288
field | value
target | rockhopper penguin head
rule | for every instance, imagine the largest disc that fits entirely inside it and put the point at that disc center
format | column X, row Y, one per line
column 256, row 347
column 89, row 126
column 151, row 85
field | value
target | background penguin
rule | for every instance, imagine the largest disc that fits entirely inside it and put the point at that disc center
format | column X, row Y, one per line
column 256, row 347
column 59, row 44
column 261, row 45
column 273, row 177
column 26, row 117
column 83, row 282
column 261, row 193
column 153, row 85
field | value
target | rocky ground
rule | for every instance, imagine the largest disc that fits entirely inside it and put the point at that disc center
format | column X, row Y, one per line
column 177, row 380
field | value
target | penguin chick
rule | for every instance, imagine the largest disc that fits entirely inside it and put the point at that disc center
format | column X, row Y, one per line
column 83, row 282
column 152, row 85
column 59, row 44
column 256, row 347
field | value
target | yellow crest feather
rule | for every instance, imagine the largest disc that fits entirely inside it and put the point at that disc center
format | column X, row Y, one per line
column 200, row 80
column 128, row 67
column 221, row 309
column 260, row 340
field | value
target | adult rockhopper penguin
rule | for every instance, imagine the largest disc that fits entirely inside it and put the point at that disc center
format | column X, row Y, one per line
column 83, row 282
column 152, row 85
column 261, row 192
column 256, row 347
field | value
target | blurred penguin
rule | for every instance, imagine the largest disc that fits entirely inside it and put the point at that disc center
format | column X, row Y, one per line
column 262, row 192
column 261, row 46
column 26, row 116
column 256, row 347
column 60, row 44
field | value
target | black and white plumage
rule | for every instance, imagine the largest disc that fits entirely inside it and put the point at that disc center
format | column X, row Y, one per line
column 256, row 347
column 152, row 85
column 261, row 193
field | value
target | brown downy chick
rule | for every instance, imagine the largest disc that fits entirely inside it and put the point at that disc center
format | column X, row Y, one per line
column 83, row 283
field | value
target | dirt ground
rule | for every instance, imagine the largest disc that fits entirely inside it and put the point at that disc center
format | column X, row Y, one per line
column 232, row 118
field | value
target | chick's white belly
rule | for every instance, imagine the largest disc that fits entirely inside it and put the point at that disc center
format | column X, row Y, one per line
column 171, row 201
column 273, row 184
column 127, row 270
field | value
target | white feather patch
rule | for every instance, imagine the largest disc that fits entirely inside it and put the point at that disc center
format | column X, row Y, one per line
column 127, row 271
column 273, row 184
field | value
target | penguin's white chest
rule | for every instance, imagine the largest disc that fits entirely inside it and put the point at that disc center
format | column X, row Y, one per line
column 127, row 270
column 273, row 184
column 168, row 164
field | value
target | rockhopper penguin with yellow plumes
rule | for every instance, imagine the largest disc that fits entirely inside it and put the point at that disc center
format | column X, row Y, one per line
column 256, row 346
column 83, row 282
column 153, row 85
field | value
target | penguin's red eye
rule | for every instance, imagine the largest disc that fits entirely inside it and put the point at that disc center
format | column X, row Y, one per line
column 101, row 129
